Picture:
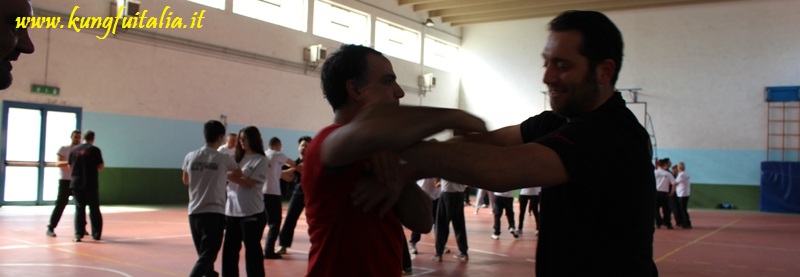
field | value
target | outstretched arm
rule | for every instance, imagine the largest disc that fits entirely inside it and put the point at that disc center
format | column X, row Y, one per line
column 496, row 168
column 392, row 128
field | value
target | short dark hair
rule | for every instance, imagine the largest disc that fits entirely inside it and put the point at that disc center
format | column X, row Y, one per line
column 89, row 136
column 348, row 63
column 307, row 139
column 274, row 141
column 212, row 130
column 601, row 38
column 75, row 132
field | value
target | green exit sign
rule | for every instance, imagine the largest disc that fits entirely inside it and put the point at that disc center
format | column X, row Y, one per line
column 55, row 91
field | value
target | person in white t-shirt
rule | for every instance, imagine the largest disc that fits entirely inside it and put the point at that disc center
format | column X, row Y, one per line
column 504, row 201
column 664, row 182
column 683, row 188
column 245, row 207
column 272, row 195
column 451, row 209
column 229, row 148
column 205, row 171
column 527, row 195
column 63, row 183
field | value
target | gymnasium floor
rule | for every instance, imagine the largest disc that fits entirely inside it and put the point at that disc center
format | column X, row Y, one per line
column 155, row 241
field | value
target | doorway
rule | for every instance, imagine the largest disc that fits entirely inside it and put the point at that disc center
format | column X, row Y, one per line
column 31, row 136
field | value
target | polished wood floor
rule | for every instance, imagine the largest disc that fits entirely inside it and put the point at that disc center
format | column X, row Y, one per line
column 155, row 241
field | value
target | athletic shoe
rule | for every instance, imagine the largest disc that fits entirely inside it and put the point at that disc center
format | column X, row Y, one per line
column 519, row 232
column 461, row 257
column 436, row 258
column 513, row 232
column 281, row 250
column 412, row 247
column 77, row 239
column 495, row 236
column 50, row 233
column 446, row 250
column 408, row 271
column 272, row 256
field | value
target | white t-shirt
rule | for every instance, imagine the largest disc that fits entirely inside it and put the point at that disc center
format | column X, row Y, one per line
column 509, row 194
column 530, row 191
column 276, row 161
column 207, row 170
column 247, row 201
column 664, row 180
column 428, row 185
column 227, row 151
column 66, row 173
column 448, row 186
column 684, row 186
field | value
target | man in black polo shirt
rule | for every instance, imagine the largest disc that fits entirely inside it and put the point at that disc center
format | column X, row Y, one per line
column 590, row 154
column 86, row 160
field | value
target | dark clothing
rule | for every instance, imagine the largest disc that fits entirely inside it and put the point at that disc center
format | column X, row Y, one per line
column 272, row 209
column 663, row 206
column 84, row 160
column 61, row 202
column 296, row 206
column 89, row 198
column 451, row 208
column 247, row 230
column 523, row 209
column 415, row 237
column 501, row 204
column 207, row 230
column 601, row 221
column 683, row 206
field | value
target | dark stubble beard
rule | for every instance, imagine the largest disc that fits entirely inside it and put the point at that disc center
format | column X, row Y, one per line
column 582, row 96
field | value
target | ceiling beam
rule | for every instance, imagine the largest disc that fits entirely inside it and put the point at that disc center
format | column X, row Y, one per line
column 447, row 4
column 414, row 2
column 554, row 10
column 514, row 5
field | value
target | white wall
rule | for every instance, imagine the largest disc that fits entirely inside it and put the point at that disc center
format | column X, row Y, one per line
column 129, row 75
column 702, row 67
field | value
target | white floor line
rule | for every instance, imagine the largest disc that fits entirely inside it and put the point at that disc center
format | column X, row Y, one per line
column 70, row 265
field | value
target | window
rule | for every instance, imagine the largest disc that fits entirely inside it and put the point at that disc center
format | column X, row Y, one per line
column 341, row 23
column 397, row 41
column 217, row 4
column 291, row 14
column 440, row 54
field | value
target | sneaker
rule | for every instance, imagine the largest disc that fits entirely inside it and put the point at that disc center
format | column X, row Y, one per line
column 519, row 231
column 96, row 237
column 436, row 258
column 461, row 257
column 77, row 239
column 281, row 250
column 537, row 232
column 413, row 248
column 446, row 250
column 513, row 233
column 50, row 233
column 408, row 271
column 495, row 236
column 484, row 206
column 272, row 256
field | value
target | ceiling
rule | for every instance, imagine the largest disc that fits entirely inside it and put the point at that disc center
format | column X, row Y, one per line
column 466, row 12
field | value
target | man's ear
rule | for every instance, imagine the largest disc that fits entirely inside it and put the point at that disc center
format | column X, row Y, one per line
column 352, row 88
column 605, row 72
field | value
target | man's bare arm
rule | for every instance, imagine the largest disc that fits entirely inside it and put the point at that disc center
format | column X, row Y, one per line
column 496, row 168
column 391, row 128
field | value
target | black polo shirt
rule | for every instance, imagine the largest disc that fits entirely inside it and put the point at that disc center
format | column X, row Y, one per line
column 600, row 223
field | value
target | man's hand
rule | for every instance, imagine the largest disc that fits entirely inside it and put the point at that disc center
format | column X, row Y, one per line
column 380, row 188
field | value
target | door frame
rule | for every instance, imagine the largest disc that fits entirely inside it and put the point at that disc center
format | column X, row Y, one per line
column 43, row 108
